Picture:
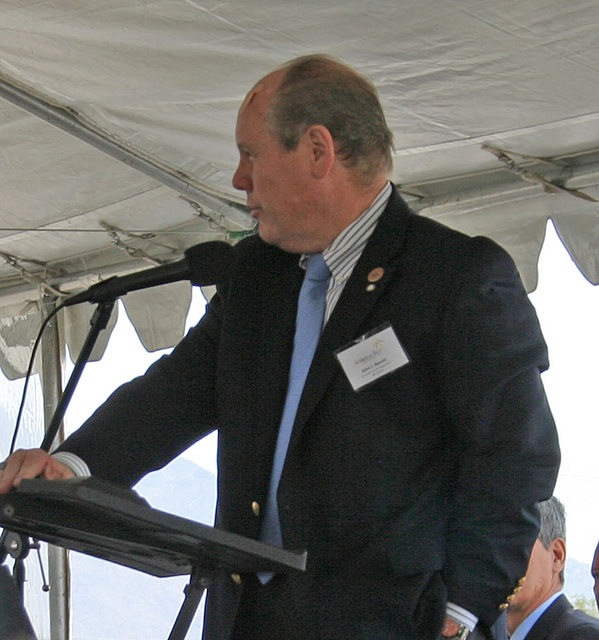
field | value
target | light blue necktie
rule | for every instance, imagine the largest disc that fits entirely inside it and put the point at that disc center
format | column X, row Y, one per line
column 308, row 324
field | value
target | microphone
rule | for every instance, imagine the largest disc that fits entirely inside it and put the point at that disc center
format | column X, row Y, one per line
column 204, row 264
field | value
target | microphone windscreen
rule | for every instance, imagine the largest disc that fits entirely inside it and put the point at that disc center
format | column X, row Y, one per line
column 209, row 262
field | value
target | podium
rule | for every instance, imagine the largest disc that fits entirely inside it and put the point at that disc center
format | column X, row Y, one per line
column 113, row 523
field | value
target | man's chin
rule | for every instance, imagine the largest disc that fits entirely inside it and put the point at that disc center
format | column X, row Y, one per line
column 269, row 236
column 285, row 243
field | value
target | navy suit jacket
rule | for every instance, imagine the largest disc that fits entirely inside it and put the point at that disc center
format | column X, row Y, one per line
column 562, row 622
column 418, row 488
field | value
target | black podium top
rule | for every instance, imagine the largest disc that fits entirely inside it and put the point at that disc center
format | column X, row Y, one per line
column 105, row 520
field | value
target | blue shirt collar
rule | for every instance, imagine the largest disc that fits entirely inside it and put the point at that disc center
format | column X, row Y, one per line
column 527, row 624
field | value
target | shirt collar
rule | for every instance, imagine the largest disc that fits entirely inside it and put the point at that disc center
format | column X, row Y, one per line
column 528, row 623
column 347, row 247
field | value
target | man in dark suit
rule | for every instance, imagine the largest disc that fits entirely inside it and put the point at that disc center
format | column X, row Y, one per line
column 422, row 440
column 540, row 610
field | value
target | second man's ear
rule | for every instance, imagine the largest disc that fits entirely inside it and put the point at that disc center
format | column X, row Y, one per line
column 558, row 549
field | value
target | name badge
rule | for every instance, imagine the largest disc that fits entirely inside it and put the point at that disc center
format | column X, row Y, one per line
column 372, row 356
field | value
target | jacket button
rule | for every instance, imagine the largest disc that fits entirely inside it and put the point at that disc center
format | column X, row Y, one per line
column 255, row 508
column 236, row 578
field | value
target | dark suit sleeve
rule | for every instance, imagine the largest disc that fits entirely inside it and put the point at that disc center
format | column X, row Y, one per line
column 503, row 438
column 147, row 422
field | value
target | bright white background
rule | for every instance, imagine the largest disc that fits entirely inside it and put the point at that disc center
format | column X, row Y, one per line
column 568, row 309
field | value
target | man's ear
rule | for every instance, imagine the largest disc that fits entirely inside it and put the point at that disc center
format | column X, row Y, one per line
column 558, row 549
column 322, row 150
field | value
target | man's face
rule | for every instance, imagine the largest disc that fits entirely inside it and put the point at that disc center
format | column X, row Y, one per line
column 542, row 581
column 276, row 181
column 595, row 572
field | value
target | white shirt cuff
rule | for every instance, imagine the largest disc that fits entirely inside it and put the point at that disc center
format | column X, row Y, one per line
column 461, row 616
column 73, row 462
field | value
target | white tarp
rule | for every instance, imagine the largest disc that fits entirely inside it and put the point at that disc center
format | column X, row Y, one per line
column 494, row 107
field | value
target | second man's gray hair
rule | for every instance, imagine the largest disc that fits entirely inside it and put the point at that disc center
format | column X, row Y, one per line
column 553, row 521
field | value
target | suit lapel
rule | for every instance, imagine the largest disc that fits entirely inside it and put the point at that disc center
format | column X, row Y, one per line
column 355, row 304
column 545, row 627
column 282, row 280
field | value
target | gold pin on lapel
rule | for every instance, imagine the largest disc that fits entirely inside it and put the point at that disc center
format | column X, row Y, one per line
column 373, row 277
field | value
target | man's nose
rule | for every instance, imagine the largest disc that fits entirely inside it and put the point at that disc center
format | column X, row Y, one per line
column 241, row 178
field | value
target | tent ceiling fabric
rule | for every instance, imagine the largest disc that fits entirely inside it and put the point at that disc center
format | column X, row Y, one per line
column 117, row 130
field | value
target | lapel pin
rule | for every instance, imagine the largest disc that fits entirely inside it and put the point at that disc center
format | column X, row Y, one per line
column 374, row 276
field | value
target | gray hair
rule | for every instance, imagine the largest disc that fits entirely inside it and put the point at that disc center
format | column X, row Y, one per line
column 318, row 89
column 553, row 524
column 553, row 521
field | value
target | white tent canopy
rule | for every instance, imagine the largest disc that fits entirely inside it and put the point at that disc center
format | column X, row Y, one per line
column 117, row 132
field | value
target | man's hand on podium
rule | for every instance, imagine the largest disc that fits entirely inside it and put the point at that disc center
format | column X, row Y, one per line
column 31, row 463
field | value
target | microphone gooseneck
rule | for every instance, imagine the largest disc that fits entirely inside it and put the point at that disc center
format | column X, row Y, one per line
column 204, row 264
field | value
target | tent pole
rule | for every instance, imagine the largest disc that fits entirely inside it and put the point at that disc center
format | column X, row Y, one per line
column 58, row 562
column 70, row 120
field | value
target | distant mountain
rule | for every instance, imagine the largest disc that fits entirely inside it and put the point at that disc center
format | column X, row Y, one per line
column 182, row 488
column 110, row 601
column 578, row 580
